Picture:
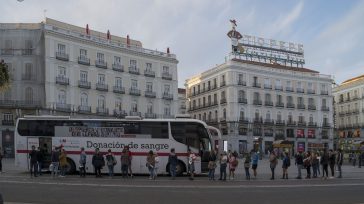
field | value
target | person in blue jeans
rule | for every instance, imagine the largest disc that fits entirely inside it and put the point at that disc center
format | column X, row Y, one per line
column 223, row 165
column 247, row 166
column 172, row 160
column 212, row 165
column 255, row 158
column 55, row 161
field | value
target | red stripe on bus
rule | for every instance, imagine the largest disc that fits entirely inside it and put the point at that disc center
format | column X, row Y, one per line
column 115, row 153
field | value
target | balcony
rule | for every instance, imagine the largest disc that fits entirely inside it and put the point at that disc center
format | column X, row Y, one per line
column 120, row 113
column 102, row 87
column 325, row 108
column 62, row 80
column 26, row 52
column 280, row 123
column 301, row 123
column 150, row 94
column 289, row 89
column 223, row 100
column 267, row 86
column 326, row 125
column 291, row 123
column 290, row 105
column 166, row 76
column 268, row 134
column 243, row 120
column 63, row 107
column 312, row 124
column 7, row 52
column 149, row 73
column 242, row 83
column 300, row 90
column 19, row 104
column 223, row 83
column 7, row 122
column 278, row 88
column 84, row 109
column 301, row 106
column 214, row 87
column 62, row 56
column 167, row 96
column 150, row 115
column 311, row 91
column 257, row 102
column 134, row 92
column 118, row 67
column 134, row 70
column 256, row 85
column 135, row 113
column 279, row 104
column 84, row 60
column 323, row 92
column 311, row 107
column 212, row 121
column 84, row 84
column 243, row 100
column 268, row 122
column 118, row 89
column 102, row 111
column 268, row 103
column 101, row 64
column 258, row 121
column 28, row 77
column 355, row 111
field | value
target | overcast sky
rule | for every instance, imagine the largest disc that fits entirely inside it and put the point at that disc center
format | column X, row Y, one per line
column 332, row 31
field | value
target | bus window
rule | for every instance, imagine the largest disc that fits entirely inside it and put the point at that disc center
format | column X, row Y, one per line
column 192, row 134
column 156, row 129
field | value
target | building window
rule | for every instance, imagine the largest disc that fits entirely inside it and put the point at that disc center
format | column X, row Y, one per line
column 83, row 76
column 29, row 94
column 279, row 116
column 148, row 67
column 62, row 99
column 28, row 70
column 150, row 108
column 224, row 113
column 165, row 69
column 62, row 71
column 311, row 118
column 118, row 82
column 83, row 53
column 241, row 94
column 8, row 117
column 267, row 115
column 62, row 48
column 268, row 97
column 101, row 102
column 167, row 111
column 117, row 60
column 100, row 57
column 133, row 64
column 134, row 106
column 149, row 86
column 101, row 79
column 118, row 104
column 134, row 84
column 84, row 99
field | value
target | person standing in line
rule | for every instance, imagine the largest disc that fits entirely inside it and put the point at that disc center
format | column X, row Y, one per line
column 307, row 162
column 285, row 164
column 223, row 165
column 354, row 159
column 33, row 162
column 83, row 162
column 233, row 163
column 339, row 162
column 325, row 163
column 55, row 161
column 273, row 163
column 98, row 162
column 173, row 160
column 315, row 164
column 63, row 162
column 124, row 161
column 299, row 164
column 254, row 159
column 1, row 161
column 332, row 160
column 151, row 164
column 191, row 163
column 156, row 167
column 212, row 165
column 247, row 166
column 130, row 158
column 110, row 162
column 40, row 158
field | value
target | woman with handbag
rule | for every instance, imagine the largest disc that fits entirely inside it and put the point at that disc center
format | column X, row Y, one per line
column 212, row 165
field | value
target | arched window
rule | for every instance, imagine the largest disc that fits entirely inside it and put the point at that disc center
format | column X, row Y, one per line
column 150, row 108
column 167, row 110
column 29, row 94
column 134, row 106
column 241, row 94
column 257, row 115
column 267, row 116
column 267, row 97
column 84, row 99
column 101, row 102
column 118, row 104
column 204, row 116
column 279, row 116
column 242, row 114
column 210, row 116
column 62, row 99
column 311, row 118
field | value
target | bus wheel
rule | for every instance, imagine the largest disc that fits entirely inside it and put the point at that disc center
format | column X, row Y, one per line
column 180, row 168
column 71, row 166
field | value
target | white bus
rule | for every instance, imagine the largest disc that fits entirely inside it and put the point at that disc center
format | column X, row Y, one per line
column 141, row 135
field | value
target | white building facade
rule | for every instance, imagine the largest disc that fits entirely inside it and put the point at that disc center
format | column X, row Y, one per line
column 61, row 69
column 255, row 104
column 349, row 112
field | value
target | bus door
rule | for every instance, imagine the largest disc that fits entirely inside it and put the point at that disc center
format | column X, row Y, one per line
column 216, row 139
column 31, row 141
column 45, row 144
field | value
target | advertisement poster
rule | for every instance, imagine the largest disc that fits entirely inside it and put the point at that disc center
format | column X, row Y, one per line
column 300, row 146
column 311, row 133
column 300, row 133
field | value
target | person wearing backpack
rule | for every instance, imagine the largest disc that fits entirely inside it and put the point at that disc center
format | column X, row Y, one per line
column 285, row 164
column 273, row 163
column 110, row 162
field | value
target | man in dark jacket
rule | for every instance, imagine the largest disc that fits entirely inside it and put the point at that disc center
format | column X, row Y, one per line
column 55, row 161
column 339, row 161
column 40, row 158
column 299, row 164
column 98, row 162
column 172, row 160
column 325, row 164
column 33, row 162
column 332, row 160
